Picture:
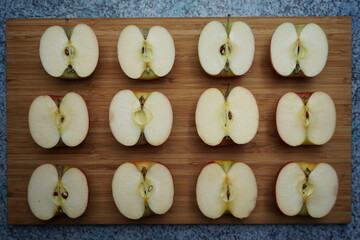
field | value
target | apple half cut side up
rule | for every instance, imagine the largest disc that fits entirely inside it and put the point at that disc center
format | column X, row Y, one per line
column 299, row 50
column 227, row 49
column 226, row 186
column 306, row 189
column 306, row 118
column 138, row 118
column 223, row 116
column 146, row 54
column 55, row 189
column 142, row 188
column 57, row 120
column 69, row 53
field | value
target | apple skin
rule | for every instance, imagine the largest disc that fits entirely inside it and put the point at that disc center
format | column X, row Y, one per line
column 304, row 97
column 311, row 166
column 149, row 75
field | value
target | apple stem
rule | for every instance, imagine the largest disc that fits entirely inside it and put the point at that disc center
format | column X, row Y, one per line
column 143, row 171
column 227, row 92
column 67, row 28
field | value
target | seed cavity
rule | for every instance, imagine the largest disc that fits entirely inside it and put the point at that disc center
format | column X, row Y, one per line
column 150, row 188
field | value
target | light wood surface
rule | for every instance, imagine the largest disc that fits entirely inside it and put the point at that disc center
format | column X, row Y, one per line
column 184, row 152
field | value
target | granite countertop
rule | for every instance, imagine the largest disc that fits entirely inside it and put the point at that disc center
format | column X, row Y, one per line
column 187, row 8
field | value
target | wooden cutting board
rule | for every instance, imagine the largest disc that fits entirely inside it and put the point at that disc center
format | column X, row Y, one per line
column 184, row 152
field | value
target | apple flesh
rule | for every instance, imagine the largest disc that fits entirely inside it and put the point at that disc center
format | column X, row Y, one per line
column 146, row 54
column 140, row 117
column 304, row 188
column 299, row 50
column 306, row 118
column 142, row 188
column 56, row 189
column 226, row 186
column 226, row 49
column 54, row 121
column 223, row 116
column 69, row 53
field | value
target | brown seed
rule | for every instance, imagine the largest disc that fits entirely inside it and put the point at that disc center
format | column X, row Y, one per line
column 67, row 52
column 64, row 195
column 222, row 50
column 55, row 194
column 229, row 115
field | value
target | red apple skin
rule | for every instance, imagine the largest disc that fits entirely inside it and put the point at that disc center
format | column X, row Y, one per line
column 140, row 164
column 305, row 96
column 225, row 142
column 311, row 165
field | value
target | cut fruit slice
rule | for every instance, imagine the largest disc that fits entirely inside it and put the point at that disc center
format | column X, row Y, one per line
column 137, row 118
column 299, row 49
column 223, row 116
column 142, row 188
column 306, row 189
column 306, row 118
column 226, row 186
column 55, row 120
column 146, row 54
column 69, row 52
column 226, row 49
column 54, row 190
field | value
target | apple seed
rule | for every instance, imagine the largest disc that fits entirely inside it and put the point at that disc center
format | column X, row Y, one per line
column 64, row 195
column 229, row 115
column 222, row 49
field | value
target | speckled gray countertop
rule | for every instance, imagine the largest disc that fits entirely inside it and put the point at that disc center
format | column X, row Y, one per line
column 187, row 8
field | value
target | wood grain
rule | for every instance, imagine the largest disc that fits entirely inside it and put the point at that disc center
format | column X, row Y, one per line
column 184, row 152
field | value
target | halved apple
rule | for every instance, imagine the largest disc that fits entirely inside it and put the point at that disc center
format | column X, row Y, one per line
column 56, row 120
column 226, row 186
column 227, row 116
column 142, row 188
column 299, row 50
column 69, row 52
column 140, row 117
column 226, row 49
column 306, row 118
column 146, row 54
column 304, row 188
column 56, row 189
